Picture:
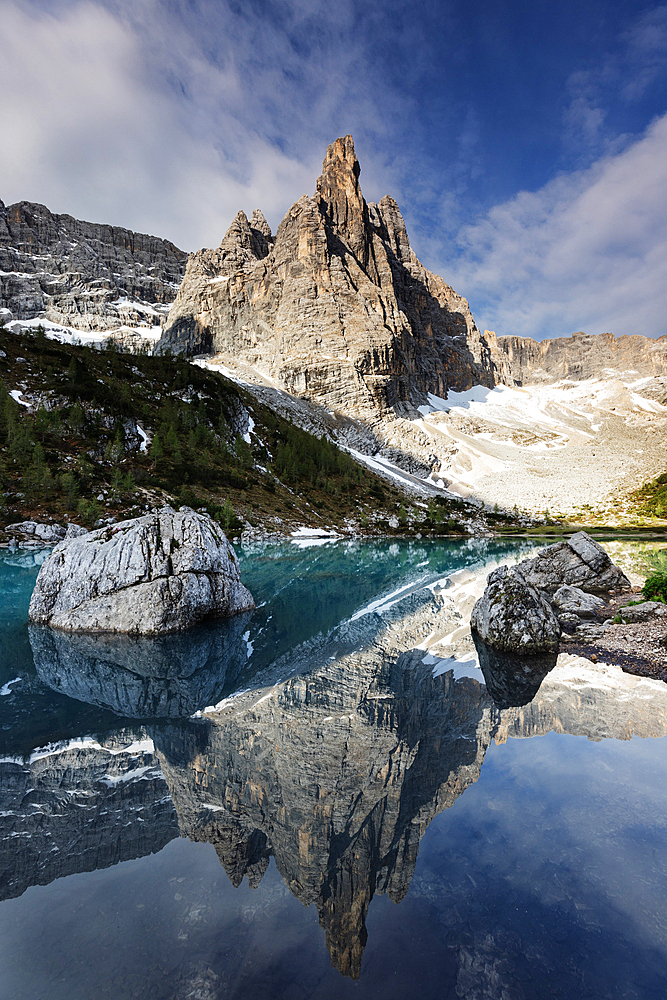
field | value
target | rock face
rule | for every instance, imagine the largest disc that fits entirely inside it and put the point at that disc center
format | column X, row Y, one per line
column 153, row 574
column 336, row 307
column 579, row 562
column 85, row 276
column 79, row 807
column 512, row 617
column 574, row 601
column 582, row 356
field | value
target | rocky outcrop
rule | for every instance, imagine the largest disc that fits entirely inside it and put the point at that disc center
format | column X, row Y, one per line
column 336, row 307
column 35, row 533
column 574, row 601
column 158, row 573
column 512, row 617
column 582, row 356
column 82, row 275
column 578, row 562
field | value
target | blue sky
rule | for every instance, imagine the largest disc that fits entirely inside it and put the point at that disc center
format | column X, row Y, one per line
column 526, row 143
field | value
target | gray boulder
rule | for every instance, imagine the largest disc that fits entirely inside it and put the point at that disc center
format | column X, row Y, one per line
column 642, row 612
column 154, row 574
column 579, row 562
column 574, row 601
column 512, row 617
column 46, row 534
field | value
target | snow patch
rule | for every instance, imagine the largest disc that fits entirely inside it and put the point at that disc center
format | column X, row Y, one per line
column 7, row 688
column 16, row 396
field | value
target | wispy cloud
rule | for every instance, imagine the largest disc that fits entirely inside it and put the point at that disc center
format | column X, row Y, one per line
column 587, row 251
column 170, row 116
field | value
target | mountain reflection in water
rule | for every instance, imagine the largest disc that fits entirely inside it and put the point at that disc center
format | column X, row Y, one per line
column 334, row 760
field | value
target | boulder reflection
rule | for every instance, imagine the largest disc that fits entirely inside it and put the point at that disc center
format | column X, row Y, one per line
column 138, row 677
column 512, row 680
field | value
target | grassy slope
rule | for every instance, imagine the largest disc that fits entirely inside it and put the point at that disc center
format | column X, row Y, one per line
column 76, row 454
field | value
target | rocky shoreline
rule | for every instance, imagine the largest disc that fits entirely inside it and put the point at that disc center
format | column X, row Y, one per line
column 638, row 647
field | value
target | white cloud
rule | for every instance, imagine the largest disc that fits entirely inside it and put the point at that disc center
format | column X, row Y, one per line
column 168, row 118
column 586, row 252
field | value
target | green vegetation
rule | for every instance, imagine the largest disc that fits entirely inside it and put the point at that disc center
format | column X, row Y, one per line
column 113, row 433
column 651, row 499
column 655, row 588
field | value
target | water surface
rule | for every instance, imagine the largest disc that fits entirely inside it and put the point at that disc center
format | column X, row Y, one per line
column 354, row 818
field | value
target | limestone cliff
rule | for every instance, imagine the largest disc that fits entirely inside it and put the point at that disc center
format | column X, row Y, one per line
column 582, row 356
column 85, row 276
column 336, row 307
column 78, row 807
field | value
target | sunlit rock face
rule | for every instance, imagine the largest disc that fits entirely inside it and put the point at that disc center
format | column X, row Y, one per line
column 579, row 562
column 336, row 307
column 583, row 356
column 162, row 572
column 80, row 807
column 81, row 274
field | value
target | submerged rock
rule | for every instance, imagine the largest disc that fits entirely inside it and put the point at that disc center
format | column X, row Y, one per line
column 512, row 617
column 578, row 562
column 158, row 573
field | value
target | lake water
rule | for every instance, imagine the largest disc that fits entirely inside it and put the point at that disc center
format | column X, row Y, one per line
column 314, row 801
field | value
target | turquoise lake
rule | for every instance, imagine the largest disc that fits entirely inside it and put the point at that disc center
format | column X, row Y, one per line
column 313, row 801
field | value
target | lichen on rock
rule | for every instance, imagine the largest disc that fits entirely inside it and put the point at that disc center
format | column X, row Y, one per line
column 512, row 617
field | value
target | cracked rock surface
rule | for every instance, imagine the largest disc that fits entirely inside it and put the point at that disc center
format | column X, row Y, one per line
column 512, row 617
column 159, row 573
column 578, row 562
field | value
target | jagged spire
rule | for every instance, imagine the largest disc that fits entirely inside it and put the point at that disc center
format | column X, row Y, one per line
column 341, row 200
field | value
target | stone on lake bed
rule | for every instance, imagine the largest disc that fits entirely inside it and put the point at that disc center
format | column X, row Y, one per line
column 159, row 573
column 512, row 617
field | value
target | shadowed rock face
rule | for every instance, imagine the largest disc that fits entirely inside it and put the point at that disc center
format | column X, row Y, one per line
column 336, row 307
column 81, row 274
column 80, row 807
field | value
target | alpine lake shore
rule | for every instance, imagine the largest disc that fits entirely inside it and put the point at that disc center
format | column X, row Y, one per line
column 92, row 437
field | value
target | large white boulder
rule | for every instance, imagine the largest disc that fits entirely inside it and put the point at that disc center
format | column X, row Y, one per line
column 159, row 573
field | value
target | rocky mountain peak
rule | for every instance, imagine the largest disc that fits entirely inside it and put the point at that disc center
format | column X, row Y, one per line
column 336, row 307
column 259, row 223
column 339, row 194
